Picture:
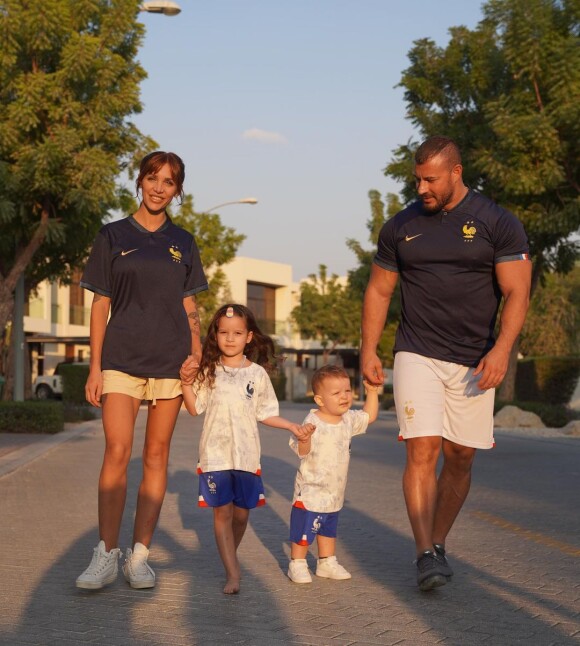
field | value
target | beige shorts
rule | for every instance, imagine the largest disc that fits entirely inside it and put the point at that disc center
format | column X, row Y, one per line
column 139, row 387
column 435, row 397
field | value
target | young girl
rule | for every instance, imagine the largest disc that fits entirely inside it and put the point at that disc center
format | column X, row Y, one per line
column 233, row 388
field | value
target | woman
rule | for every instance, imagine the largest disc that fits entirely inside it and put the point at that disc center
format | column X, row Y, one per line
column 145, row 272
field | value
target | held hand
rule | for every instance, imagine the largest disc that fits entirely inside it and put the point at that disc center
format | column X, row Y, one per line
column 492, row 368
column 370, row 387
column 94, row 388
column 372, row 370
column 302, row 433
column 188, row 370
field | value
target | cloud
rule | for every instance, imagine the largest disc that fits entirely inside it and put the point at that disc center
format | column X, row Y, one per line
column 264, row 136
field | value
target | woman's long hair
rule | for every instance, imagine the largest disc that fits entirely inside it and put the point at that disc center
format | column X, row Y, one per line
column 260, row 349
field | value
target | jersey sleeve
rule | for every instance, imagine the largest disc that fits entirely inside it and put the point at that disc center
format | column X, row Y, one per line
column 358, row 421
column 510, row 240
column 97, row 274
column 201, row 392
column 195, row 281
column 386, row 256
column 267, row 403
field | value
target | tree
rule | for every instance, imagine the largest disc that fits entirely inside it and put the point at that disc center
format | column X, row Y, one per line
column 326, row 312
column 556, row 307
column 509, row 93
column 69, row 80
column 217, row 246
column 358, row 278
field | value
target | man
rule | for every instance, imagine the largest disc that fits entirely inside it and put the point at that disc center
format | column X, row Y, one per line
column 457, row 254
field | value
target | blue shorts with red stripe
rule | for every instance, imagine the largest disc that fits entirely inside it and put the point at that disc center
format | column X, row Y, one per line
column 306, row 525
column 218, row 488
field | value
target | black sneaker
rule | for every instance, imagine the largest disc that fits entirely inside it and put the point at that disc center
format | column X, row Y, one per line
column 429, row 571
column 445, row 567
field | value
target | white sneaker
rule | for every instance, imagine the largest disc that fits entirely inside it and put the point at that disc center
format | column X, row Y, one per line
column 298, row 571
column 137, row 572
column 102, row 570
column 330, row 568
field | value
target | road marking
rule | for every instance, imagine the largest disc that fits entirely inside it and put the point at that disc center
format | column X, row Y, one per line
column 528, row 534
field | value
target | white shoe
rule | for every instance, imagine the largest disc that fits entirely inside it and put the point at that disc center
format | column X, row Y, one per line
column 330, row 568
column 298, row 571
column 102, row 570
column 137, row 572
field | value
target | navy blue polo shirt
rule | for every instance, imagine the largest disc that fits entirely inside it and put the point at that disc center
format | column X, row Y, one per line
column 146, row 275
column 450, row 295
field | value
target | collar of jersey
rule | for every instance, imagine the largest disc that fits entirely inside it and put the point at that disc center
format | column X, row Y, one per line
column 142, row 229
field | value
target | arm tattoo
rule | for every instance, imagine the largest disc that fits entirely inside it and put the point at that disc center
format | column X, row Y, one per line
column 194, row 323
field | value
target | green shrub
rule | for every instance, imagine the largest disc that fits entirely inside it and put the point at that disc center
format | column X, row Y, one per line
column 279, row 383
column 79, row 412
column 547, row 379
column 74, row 378
column 304, row 399
column 553, row 415
column 31, row 417
column 387, row 401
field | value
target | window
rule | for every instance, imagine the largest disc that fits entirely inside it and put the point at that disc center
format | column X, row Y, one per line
column 77, row 311
column 262, row 301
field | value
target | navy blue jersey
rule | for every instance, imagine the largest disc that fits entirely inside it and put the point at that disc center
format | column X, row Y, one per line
column 146, row 275
column 450, row 295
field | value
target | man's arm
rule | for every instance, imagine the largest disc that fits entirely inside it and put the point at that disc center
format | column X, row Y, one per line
column 514, row 279
column 376, row 303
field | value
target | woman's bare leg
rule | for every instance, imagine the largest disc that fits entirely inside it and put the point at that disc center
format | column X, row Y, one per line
column 119, row 414
column 160, row 424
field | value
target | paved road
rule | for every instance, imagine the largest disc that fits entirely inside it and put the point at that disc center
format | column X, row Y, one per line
column 515, row 549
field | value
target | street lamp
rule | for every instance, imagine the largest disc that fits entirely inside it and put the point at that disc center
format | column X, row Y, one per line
column 166, row 7
column 244, row 200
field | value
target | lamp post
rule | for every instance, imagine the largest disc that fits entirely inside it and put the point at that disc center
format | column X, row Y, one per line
column 244, row 200
column 166, row 7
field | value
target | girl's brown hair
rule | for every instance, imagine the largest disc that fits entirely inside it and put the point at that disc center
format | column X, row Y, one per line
column 152, row 162
column 260, row 349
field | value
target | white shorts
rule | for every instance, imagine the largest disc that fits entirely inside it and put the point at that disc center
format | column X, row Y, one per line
column 435, row 397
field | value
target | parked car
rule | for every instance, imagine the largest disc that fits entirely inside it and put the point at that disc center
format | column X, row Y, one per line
column 50, row 386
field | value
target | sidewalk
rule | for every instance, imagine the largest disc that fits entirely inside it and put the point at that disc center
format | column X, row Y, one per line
column 510, row 587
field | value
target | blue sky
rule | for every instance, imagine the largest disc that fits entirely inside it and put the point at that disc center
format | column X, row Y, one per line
column 292, row 102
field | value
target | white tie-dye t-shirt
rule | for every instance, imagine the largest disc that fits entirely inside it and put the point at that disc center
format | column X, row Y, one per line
column 321, row 479
column 233, row 407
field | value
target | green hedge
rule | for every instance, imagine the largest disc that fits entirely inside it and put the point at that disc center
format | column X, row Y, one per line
column 279, row 383
column 74, row 378
column 553, row 415
column 551, row 380
column 31, row 417
column 387, row 401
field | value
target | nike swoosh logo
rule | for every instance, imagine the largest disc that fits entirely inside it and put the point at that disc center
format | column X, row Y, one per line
column 409, row 238
column 124, row 253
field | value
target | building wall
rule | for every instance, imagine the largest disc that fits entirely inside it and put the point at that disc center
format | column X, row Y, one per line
column 48, row 313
